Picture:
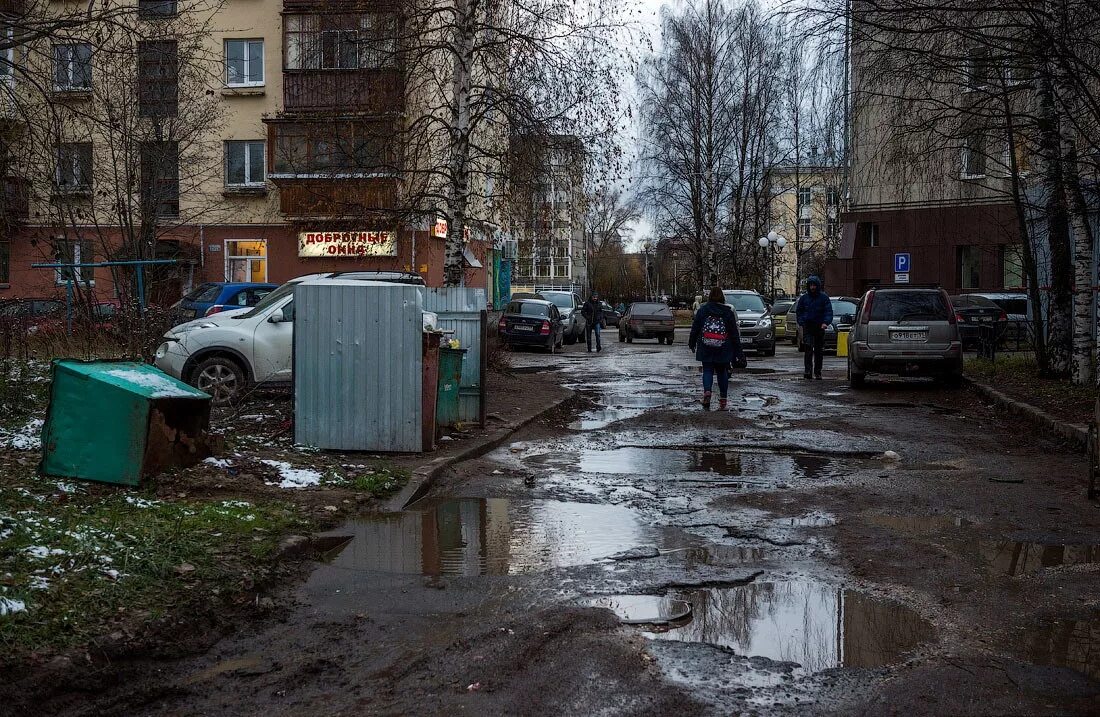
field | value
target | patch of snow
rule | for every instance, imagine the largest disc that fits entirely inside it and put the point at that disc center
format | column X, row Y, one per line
column 163, row 386
column 217, row 462
column 141, row 502
column 67, row 487
column 9, row 606
column 236, row 504
column 27, row 438
column 39, row 583
column 41, row 551
column 294, row 477
column 112, row 574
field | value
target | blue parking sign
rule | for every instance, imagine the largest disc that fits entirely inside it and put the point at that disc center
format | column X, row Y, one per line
column 902, row 265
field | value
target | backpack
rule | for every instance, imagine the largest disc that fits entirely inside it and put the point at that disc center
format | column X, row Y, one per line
column 715, row 334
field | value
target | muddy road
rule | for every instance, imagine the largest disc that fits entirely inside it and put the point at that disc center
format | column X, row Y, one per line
column 636, row 555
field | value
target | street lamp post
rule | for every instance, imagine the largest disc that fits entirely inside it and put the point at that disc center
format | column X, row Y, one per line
column 774, row 241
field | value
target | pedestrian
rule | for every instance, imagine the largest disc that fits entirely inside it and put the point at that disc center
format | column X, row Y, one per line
column 814, row 311
column 592, row 311
column 697, row 303
column 621, row 308
column 717, row 343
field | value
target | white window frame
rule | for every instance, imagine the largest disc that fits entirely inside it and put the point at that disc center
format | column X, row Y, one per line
column 60, row 279
column 70, row 67
column 68, row 167
column 248, row 145
column 7, row 32
column 247, row 41
column 965, row 161
column 229, row 257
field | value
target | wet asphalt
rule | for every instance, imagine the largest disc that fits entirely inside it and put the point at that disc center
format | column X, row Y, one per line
column 642, row 556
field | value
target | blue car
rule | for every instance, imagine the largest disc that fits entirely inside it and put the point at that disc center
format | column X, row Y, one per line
column 216, row 296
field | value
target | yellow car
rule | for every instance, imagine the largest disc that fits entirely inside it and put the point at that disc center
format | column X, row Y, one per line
column 779, row 317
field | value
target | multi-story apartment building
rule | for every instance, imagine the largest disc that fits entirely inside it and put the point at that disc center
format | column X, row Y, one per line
column 805, row 210
column 264, row 141
column 547, row 197
column 922, row 183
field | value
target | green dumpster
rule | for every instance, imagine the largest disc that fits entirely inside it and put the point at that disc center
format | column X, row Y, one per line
column 115, row 421
column 450, row 379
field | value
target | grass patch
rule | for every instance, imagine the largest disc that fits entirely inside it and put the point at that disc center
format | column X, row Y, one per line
column 381, row 480
column 1018, row 376
column 75, row 558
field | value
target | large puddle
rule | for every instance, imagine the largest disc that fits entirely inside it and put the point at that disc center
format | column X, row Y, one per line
column 595, row 420
column 817, row 625
column 478, row 536
column 1067, row 643
column 1014, row 558
column 664, row 461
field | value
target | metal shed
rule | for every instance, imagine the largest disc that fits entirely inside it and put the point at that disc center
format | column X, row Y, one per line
column 358, row 365
column 114, row 421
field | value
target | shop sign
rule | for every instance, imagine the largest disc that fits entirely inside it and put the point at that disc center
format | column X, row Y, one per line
column 439, row 231
column 347, row 244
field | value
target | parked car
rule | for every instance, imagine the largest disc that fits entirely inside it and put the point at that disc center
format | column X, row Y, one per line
column 779, row 316
column 531, row 322
column 754, row 320
column 844, row 314
column 648, row 320
column 971, row 313
column 224, row 353
column 790, row 324
column 527, row 295
column 30, row 315
column 569, row 304
column 906, row 332
column 217, row 296
column 610, row 316
column 1017, row 307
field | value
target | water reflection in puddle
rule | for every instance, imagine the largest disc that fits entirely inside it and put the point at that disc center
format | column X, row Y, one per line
column 918, row 524
column 723, row 555
column 595, row 420
column 638, row 400
column 814, row 624
column 492, row 537
column 665, row 461
column 1013, row 558
column 641, row 609
column 1067, row 643
column 810, row 520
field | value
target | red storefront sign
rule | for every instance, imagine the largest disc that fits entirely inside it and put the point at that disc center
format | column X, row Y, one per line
column 347, row 244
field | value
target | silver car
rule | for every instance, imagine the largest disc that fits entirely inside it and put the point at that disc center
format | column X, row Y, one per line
column 905, row 332
column 569, row 305
column 754, row 320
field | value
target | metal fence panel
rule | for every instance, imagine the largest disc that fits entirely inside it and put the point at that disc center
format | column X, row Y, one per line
column 357, row 366
column 459, row 310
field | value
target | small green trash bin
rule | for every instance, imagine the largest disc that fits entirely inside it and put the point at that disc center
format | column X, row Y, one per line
column 450, row 379
column 115, row 421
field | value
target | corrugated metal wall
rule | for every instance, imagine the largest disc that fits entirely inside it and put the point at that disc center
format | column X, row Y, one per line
column 357, row 366
column 459, row 309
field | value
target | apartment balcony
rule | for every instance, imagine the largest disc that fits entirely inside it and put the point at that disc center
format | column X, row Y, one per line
column 357, row 198
column 347, row 92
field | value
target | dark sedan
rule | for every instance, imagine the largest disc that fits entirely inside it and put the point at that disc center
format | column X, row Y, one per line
column 844, row 315
column 973, row 312
column 531, row 322
column 610, row 316
column 647, row 320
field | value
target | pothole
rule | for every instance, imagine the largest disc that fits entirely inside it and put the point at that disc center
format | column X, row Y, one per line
column 1016, row 558
column 642, row 609
column 479, row 536
column 817, row 625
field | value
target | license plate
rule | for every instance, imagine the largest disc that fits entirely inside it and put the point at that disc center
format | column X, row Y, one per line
column 523, row 328
column 908, row 336
column 985, row 318
column 746, row 339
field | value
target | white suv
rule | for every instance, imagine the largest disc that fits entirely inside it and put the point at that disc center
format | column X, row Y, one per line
column 224, row 353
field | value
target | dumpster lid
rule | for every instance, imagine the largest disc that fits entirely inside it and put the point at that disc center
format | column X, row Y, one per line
column 139, row 378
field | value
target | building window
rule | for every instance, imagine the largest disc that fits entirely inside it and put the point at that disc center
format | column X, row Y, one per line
column 7, row 53
column 872, row 235
column 340, row 42
column 160, row 179
column 74, row 252
column 323, row 148
column 805, row 228
column 968, row 267
column 973, row 156
column 978, row 69
column 244, row 164
column 156, row 9
column 5, row 260
column 74, row 167
column 245, row 260
column 72, row 67
column 1012, row 264
column 244, row 63
column 158, row 78
column 561, row 271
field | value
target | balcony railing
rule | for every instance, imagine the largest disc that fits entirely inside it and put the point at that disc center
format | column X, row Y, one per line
column 350, row 198
column 352, row 91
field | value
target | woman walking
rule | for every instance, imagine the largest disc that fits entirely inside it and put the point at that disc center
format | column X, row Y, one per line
column 716, row 343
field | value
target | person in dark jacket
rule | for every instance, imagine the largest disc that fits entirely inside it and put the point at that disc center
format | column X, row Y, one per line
column 716, row 342
column 815, row 313
column 592, row 311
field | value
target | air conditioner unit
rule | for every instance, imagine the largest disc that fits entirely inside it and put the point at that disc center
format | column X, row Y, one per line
column 509, row 249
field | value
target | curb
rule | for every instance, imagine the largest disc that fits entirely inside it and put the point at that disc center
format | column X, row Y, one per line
column 1074, row 433
column 423, row 477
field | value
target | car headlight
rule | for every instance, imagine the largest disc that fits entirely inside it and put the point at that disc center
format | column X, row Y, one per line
column 764, row 323
column 162, row 350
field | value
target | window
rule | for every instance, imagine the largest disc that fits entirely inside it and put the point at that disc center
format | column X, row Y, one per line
column 973, row 156
column 74, row 167
column 978, row 69
column 805, row 227
column 340, row 42
column 74, row 252
column 832, row 228
column 337, row 146
column 5, row 260
column 968, row 267
column 158, row 78
column 244, row 164
column 246, row 260
column 913, row 305
column 160, row 179
column 7, row 54
column 72, row 69
column 244, row 63
column 872, row 235
column 156, row 9
column 1012, row 264
column 561, row 270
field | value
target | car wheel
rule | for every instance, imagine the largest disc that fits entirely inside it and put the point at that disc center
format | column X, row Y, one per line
column 769, row 352
column 856, row 379
column 629, row 338
column 621, row 337
column 669, row 338
column 221, row 377
column 572, row 337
